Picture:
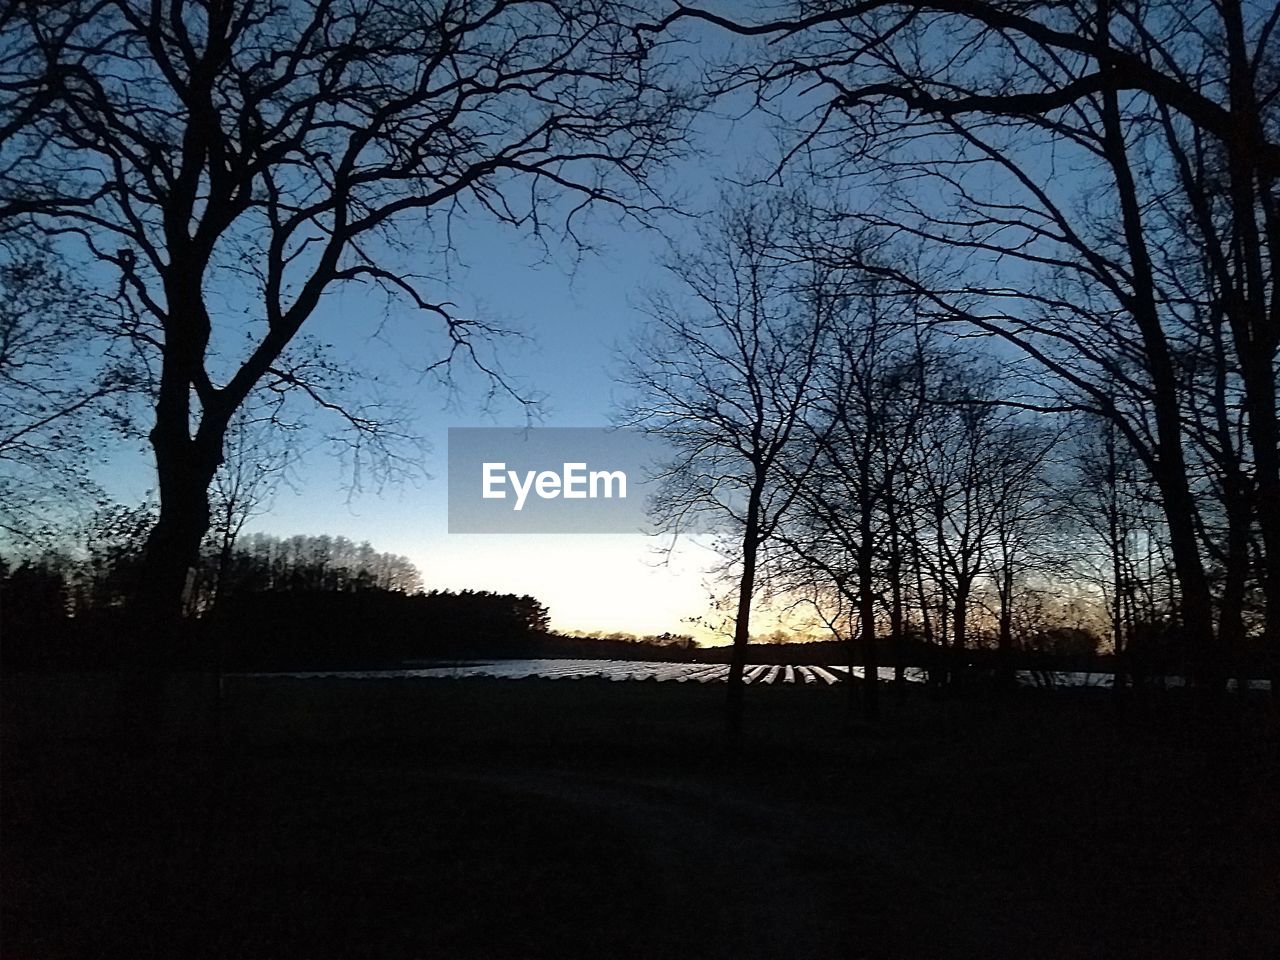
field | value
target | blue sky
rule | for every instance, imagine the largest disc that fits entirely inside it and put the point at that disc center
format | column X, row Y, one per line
column 573, row 320
column 575, row 314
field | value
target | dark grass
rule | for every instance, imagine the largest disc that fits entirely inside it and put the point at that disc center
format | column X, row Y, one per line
column 562, row 819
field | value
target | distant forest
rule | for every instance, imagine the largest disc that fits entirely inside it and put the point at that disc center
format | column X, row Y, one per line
column 262, row 602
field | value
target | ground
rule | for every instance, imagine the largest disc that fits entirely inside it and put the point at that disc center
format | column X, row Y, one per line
column 562, row 819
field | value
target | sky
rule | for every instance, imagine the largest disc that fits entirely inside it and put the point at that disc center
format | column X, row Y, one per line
column 574, row 323
column 576, row 314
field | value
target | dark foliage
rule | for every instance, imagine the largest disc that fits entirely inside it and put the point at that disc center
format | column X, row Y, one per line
column 371, row 627
column 280, row 603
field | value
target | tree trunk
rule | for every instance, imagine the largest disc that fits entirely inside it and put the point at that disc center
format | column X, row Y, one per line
column 184, row 467
column 870, row 657
column 867, row 612
column 1231, row 628
column 1255, row 327
column 1119, row 649
column 944, row 602
column 1169, row 468
column 867, row 636
column 926, row 621
column 1005, row 676
column 185, row 464
column 896, row 626
column 959, row 628
column 742, row 626
column 1260, row 398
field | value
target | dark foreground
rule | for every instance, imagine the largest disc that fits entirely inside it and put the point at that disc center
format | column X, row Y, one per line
column 562, row 819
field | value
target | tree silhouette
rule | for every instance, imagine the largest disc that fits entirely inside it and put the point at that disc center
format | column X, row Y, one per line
column 966, row 118
column 726, row 378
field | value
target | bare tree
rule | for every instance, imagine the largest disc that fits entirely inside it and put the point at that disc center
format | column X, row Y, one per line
column 971, row 100
column 1024, row 518
column 1099, row 496
column 256, row 156
column 844, row 529
column 255, row 460
column 960, row 502
column 726, row 377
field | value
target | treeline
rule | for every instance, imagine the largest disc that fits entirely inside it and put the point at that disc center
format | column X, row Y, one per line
column 665, row 641
column 264, row 602
column 371, row 628
column 260, row 563
column 865, row 461
column 97, row 564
